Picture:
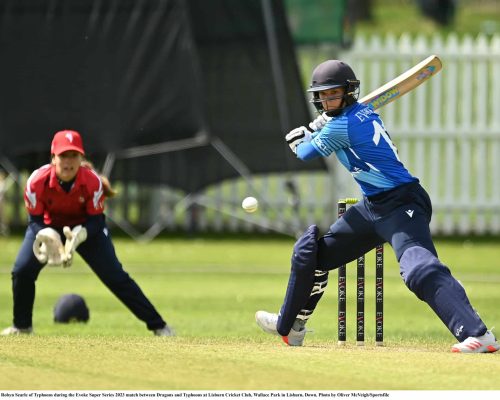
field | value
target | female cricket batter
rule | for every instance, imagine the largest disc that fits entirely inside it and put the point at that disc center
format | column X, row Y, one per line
column 65, row 199
column 394, row 209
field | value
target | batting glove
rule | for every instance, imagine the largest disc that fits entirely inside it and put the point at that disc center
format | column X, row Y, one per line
column 48, row 248
column 297, row 136
column 74, row 237
column 319, row 122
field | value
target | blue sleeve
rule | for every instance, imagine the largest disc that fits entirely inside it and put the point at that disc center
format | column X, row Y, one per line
column 35, row 222
column 306, row 151
column 334, row 136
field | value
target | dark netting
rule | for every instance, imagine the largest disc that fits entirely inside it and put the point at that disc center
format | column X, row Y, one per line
column 242, row 101
column 134, row 73
column 111, row 70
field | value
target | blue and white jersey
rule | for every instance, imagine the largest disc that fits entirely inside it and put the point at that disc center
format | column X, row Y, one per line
column 363, row 146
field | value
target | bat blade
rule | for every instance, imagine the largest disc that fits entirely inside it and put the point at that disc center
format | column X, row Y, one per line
column 404, row 83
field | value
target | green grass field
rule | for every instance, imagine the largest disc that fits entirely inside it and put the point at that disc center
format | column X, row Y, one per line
column 209, row 290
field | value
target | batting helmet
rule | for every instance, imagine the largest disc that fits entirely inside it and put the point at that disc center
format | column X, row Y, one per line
column 71, row 308
column 333, row 74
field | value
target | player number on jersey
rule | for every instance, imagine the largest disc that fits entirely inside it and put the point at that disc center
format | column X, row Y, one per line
column 378, row 132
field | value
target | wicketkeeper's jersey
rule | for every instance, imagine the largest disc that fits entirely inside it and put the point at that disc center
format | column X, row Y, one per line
column 363, row 146
column 45, row 197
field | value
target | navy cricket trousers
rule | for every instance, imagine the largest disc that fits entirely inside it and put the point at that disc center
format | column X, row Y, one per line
column 99, row 253
column 400, row 217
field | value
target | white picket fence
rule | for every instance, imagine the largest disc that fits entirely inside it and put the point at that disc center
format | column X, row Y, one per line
column 447, row 132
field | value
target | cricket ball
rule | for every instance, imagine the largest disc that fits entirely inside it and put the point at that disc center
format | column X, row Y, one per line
column 250, row 204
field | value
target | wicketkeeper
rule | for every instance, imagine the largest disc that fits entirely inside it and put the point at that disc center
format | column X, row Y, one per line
column 394, row 209
column 65, row 202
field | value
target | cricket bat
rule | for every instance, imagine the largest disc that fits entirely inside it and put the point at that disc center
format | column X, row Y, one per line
column 402, row 84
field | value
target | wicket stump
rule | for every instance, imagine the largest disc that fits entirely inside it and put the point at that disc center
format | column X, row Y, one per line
column 360, row 292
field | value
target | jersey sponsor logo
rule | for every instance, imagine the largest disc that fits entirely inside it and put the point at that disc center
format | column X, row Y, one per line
column 364, row 113
column 410, row 213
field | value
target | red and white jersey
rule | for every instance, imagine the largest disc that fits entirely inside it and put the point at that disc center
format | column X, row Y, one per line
column 45, row 196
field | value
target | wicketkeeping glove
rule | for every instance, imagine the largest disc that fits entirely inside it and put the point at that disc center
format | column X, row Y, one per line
column 297, row 136
column 48, row 248
column 74, row 237
column 319, row 122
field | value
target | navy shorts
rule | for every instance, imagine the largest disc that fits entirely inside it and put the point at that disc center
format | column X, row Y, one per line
column 400, row 217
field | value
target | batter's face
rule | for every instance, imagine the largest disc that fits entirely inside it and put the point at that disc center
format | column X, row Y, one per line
column 67, row 165
column 331, row 99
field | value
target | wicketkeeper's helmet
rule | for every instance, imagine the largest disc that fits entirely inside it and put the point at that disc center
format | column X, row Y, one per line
column 333, row 74
column 71, row 308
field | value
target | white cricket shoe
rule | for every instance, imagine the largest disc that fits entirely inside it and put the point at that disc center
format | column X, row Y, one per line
column 165, row 331
column 268, row 321
column 12, row 330
column 481, row 344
